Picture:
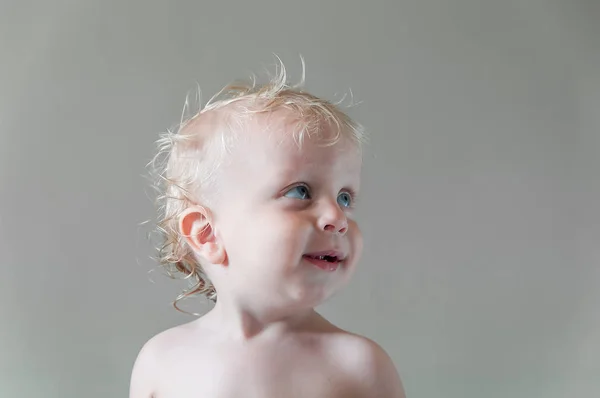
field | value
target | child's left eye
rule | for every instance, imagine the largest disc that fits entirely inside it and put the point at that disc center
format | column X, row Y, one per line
column 298, row 192
column 345, row 199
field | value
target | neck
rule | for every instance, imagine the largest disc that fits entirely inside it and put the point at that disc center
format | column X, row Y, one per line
column 245, row 322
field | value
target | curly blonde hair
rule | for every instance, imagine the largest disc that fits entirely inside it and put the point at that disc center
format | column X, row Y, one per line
column 185, row 166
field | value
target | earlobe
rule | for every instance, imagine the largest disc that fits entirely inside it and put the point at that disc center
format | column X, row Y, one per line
column 196, row 229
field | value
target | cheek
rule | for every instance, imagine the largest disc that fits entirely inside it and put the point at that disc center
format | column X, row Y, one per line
column 284, row 233
column 356, row 240
column 265, row 237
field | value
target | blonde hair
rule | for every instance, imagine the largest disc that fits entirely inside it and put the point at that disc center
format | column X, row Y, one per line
column 184, row 168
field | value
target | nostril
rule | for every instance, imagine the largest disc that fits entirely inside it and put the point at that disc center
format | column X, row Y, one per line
column 334, row 229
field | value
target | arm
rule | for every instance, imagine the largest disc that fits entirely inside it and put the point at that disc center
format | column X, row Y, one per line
column 385, row 380
column 376, row 374
column 144, row 373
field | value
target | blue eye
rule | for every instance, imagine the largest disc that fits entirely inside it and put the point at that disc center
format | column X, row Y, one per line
column 299, row 192
column 345, row 199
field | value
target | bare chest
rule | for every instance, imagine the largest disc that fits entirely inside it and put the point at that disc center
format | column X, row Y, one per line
column 284, row 372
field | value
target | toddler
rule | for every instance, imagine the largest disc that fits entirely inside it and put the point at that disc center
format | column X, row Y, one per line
column 259, row 189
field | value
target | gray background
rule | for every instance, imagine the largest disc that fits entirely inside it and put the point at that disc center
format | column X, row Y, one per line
column 481, row 271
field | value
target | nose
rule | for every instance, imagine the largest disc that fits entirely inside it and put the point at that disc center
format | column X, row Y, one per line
column 333, row 220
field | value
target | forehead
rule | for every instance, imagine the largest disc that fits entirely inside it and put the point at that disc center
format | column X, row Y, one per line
column 271, row 148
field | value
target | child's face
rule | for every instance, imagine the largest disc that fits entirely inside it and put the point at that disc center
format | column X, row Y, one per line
column 279, row 207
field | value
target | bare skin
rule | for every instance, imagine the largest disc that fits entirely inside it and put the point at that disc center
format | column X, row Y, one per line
column 279, row 207
column 311, row 359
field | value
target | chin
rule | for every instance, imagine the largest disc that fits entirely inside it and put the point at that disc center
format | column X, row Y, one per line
column 311, row 297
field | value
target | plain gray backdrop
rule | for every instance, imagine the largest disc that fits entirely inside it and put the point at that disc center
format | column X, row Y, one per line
column 481, row 272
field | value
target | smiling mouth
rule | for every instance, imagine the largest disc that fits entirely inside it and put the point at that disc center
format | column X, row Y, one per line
column 325, row 261
column 329, row 259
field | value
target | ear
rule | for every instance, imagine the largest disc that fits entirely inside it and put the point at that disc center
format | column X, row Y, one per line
column 195, row 227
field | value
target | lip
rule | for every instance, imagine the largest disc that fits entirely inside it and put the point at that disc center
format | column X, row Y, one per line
column 331, row 253
column 325, row 265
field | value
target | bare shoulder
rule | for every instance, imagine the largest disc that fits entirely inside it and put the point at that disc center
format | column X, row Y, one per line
column 151, row 359
column 369, row 365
